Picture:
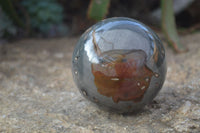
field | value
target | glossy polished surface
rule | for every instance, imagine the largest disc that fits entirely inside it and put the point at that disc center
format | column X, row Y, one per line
column 119, row 64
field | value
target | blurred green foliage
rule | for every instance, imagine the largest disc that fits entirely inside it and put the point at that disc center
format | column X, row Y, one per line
column 98, row 9
column 8, row 8
column 169, row 26
column 7, row 27
column 45, row 16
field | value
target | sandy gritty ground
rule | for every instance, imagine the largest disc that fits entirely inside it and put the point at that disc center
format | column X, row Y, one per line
column 37, row 93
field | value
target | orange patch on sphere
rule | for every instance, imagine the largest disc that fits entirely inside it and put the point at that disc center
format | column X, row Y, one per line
column 122, row 75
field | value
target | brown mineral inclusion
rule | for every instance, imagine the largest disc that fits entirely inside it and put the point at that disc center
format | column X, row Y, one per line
column 122, row 75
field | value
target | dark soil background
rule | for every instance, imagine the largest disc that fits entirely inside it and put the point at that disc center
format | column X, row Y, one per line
column 74, row 19
column 76, row 13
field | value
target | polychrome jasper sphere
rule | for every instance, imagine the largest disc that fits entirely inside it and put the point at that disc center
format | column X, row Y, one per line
column 119, row 64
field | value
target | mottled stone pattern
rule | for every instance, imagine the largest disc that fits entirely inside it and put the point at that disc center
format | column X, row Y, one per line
column 122, row 75
column 37, row 93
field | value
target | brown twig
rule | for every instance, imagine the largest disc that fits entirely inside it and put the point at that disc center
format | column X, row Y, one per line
column 96, row 47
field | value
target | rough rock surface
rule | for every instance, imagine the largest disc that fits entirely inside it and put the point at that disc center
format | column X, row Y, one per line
column 37, row 93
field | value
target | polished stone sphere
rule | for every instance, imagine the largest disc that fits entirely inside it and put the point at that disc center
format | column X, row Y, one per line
column 119, row 64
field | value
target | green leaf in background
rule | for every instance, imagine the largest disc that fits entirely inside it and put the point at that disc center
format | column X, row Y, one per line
column 45, row 15
column 98, row 9
column 169, row 26
column 8, row 8
column 7, row 28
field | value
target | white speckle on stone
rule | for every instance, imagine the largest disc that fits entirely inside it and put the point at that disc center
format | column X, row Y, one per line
column 44, row 52
column 143, row 87
column 3, row 116
column 147, row 79
column 115, row 79
column 185, row 108
column 59, row 55
column 76, row 72
column 103, row 65
column 190, row 87
column 169, row 69
column 72, row 94
column 126, row 127
column 76, row 58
